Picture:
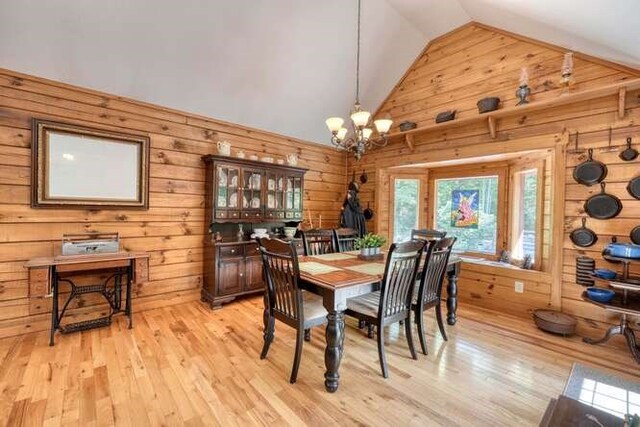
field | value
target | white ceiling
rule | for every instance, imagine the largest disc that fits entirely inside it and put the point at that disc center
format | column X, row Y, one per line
column 279, row 65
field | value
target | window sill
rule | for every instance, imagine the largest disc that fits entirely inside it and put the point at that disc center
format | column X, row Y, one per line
column 504, row 269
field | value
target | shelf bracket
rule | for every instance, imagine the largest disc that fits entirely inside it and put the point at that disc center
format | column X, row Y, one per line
column 622, row 98
column 491, row 122
column 409, row 140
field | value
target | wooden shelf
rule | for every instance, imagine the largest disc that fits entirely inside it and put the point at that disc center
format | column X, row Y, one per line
column 619, row 89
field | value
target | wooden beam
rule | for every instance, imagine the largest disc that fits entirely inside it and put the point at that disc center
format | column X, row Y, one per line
column 409, row 140
column 491, row 122
column 622, row 98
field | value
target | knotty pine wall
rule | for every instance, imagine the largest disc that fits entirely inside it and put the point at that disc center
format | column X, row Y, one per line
column 474, row 61
column 172, row 230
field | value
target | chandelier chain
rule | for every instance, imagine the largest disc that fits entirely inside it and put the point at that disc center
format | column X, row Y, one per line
column 358, row 60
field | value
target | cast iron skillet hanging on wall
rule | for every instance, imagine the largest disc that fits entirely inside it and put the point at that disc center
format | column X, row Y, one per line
column 634, row 187
column 635, row 235
column 583, row 236
column 603, row 205
column 590, row 171
column 629, row 154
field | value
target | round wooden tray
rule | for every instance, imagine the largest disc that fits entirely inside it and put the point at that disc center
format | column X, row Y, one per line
column 555, row 322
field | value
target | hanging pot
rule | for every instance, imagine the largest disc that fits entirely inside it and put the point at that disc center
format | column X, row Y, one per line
column 583, row 236
column 629, row 154
column 368, row 213
column 635, row 235
column 364, row 178
column 634, row 187
column 590, row 171
column 603, row 205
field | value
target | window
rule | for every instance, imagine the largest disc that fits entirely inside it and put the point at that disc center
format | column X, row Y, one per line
column 406, row 208
column 524, row 214
column 467, row 208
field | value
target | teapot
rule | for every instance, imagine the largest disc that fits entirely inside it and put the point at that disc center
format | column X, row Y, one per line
column 224, row 148
column 292, row 159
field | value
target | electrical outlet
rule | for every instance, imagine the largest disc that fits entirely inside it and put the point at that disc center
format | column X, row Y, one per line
column 519, row 287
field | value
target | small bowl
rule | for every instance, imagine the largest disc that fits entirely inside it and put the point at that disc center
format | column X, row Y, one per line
column 446, row 116
column 604, row 273
column 488, row 104
column 290, row 231
column 405, row 126
column 600, row 295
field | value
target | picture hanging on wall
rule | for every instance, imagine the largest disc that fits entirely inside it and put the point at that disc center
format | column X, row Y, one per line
column 464, row 208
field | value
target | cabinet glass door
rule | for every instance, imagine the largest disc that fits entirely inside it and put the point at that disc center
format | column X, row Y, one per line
column 252, row 189
column 293, row 195
column 275, row 191
column 228, row 185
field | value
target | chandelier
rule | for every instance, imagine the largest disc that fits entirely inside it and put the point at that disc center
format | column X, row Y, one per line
column 361, row 138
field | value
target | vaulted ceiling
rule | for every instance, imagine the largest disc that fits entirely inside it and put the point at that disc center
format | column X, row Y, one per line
column 279, row 65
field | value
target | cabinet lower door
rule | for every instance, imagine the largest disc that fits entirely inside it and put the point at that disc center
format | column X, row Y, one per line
column 255, row 279
column 231, row 275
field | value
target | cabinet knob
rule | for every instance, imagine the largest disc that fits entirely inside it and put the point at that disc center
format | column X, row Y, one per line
column 241, row 274
column 233, row 251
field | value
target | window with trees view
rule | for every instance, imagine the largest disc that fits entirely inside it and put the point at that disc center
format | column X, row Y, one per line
column 406, row 207
column 467, row 208
column 524, row 218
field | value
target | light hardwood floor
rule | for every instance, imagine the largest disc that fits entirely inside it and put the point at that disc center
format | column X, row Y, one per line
column 189, row 365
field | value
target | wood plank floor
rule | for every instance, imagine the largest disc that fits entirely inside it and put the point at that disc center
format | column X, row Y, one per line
column 188, row 365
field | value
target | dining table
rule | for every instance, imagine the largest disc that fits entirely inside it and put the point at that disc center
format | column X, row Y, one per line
column 340, row 276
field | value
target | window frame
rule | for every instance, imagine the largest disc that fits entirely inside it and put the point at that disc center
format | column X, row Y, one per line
column 501, row 170
column 423, row 185
column 514, row 188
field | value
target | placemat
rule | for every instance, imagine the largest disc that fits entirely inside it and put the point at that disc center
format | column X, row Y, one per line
column 314, row 268
column 375, row 269
column 333, row 257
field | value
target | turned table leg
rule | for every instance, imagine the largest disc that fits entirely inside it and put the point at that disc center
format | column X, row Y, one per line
column 333, row 351
column 452, row 295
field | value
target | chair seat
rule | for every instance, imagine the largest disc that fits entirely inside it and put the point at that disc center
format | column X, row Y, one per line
column 314, row 312
column 367, row 304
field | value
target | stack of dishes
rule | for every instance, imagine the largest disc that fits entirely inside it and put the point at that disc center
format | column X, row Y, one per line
column 584, row 271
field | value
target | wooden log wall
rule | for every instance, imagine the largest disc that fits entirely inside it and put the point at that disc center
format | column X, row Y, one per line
column 172, row 230
column 475, row 61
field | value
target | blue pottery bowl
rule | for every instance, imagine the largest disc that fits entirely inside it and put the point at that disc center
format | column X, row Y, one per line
column 604, row 273
column 600, row 295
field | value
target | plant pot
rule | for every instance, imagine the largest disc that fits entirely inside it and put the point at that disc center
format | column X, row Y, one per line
column 365, row 251
column 375, row 251
column 488, row 104
column 446, row 116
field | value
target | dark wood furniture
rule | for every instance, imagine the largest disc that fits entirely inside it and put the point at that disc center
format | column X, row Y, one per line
column 429, row 292
column 567, row 412
column 318, row 241
column 49, row 272
column 241, row 191
column 345, row 239
column 392, row 303
column 626, row 303
column 244, row 192
column 339, row 284
column 234, row 269
column 284, row 300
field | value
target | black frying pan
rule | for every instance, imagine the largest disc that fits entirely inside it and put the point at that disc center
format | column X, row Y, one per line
column 583, row 236
column 634, row 187
column 590, row 171
column 368, row 213
column 629, row 154
column 603, row 205
column 635, row 235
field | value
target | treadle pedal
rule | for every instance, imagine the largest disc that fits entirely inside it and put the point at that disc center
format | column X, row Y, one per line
column 87, row 289
column 86, row 324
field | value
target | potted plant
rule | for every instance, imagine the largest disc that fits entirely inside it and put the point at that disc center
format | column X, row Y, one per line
column 369, row 244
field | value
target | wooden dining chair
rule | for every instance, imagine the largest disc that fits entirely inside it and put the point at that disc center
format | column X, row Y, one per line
column 345, row 239
column 429, row 293
column 427, row 234
column 284, row 300
column 318, row 241
column 392, row 303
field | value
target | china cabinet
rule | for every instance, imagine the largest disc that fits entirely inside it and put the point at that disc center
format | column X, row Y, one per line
column 240, row 191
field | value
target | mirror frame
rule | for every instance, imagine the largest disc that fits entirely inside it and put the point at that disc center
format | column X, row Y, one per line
column 40, row 175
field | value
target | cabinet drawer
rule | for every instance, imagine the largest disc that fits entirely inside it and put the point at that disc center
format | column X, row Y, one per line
column 251, row 215
column 231, row 251
column 227, row 214
column 251, row 250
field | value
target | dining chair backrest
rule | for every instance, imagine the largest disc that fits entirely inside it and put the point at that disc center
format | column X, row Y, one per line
column 399, row 279
column 435, row 268
column 318, row 241
column 345, row 239
column 427, row 234
column 280, row 263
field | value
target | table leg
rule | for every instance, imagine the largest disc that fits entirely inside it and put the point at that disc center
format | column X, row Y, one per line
column 54, row 304
column 452, row 296
column 334, row 349
column 129, row 308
